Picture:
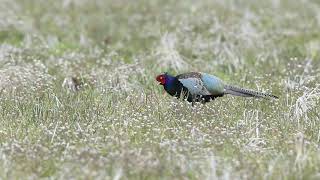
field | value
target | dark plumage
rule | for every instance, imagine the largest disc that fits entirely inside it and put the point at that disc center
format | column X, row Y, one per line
column 202, row 87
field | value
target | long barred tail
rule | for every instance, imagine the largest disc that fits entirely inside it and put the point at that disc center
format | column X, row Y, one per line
column 237, row 91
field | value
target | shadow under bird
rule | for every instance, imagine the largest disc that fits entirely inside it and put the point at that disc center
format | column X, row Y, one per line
column 202, row 87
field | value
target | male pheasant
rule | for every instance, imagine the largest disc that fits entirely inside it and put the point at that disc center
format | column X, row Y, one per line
column 202, row 87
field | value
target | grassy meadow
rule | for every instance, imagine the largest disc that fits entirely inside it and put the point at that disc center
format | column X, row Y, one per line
column 121, row 124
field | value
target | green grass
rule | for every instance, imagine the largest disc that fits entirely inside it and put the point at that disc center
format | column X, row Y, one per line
column 121, row 125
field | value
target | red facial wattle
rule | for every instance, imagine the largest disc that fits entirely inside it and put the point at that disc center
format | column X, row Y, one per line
column 161, row 78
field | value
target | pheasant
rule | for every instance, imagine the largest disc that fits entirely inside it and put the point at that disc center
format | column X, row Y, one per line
column 202, row 87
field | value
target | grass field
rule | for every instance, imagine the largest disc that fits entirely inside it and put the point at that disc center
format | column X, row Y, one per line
column 121, row 124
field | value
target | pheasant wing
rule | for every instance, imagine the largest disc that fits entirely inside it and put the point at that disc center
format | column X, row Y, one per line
column 193, row 82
